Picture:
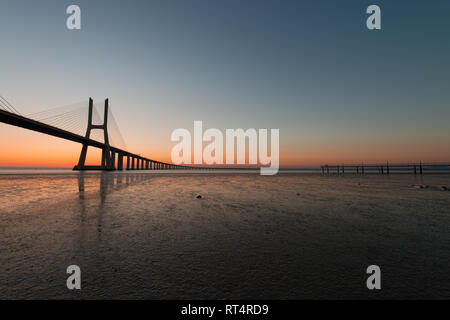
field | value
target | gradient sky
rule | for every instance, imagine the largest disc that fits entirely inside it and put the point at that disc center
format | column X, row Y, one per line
column 337, row 91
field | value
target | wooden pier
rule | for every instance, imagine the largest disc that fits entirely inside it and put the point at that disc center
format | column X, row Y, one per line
column 386, row 168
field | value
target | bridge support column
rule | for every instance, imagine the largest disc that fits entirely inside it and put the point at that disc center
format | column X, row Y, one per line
column 132, row 163
column 108, row 158
column 120, row 161
column 128, row 162
column 104, row 158
column 82, row 160
column 112, row 161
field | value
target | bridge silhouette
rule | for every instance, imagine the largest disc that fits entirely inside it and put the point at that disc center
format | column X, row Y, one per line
column 112, row 156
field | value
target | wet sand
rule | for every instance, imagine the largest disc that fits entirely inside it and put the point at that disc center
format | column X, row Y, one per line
column 145, row 235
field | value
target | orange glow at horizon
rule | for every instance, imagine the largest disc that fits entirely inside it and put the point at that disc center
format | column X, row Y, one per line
column 24, row 148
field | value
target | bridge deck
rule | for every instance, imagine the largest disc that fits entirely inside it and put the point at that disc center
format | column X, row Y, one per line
column 30, row 124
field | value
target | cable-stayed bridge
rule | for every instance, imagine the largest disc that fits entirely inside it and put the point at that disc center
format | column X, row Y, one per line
column 69, row 122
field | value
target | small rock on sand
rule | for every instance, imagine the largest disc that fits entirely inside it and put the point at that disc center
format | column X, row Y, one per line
column 199, row 197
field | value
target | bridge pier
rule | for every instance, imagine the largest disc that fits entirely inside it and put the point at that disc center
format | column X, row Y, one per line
column 103, row 162
column 120, row 162
column 112, row 163
column 108, row 158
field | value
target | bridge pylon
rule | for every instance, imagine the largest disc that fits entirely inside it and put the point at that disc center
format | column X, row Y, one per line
column 108, row 157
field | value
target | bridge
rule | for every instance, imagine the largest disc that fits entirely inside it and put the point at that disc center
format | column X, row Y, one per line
column 64, row 123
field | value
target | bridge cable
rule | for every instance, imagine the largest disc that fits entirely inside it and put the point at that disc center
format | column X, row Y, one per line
column 5, row 107
column 9, row 104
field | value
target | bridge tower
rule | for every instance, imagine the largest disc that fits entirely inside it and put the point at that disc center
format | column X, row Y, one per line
column 108, row 158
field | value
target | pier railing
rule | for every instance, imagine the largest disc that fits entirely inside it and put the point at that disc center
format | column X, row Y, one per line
column 386, row 168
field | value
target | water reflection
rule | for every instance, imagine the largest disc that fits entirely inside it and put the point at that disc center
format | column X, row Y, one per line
column 108, row 182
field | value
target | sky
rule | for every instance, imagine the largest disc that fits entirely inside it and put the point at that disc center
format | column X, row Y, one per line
column 338, row 92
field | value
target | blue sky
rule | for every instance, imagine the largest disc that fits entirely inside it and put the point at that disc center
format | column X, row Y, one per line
column 310, row 68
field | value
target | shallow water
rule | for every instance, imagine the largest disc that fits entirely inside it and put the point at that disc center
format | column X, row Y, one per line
column 145, row 235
